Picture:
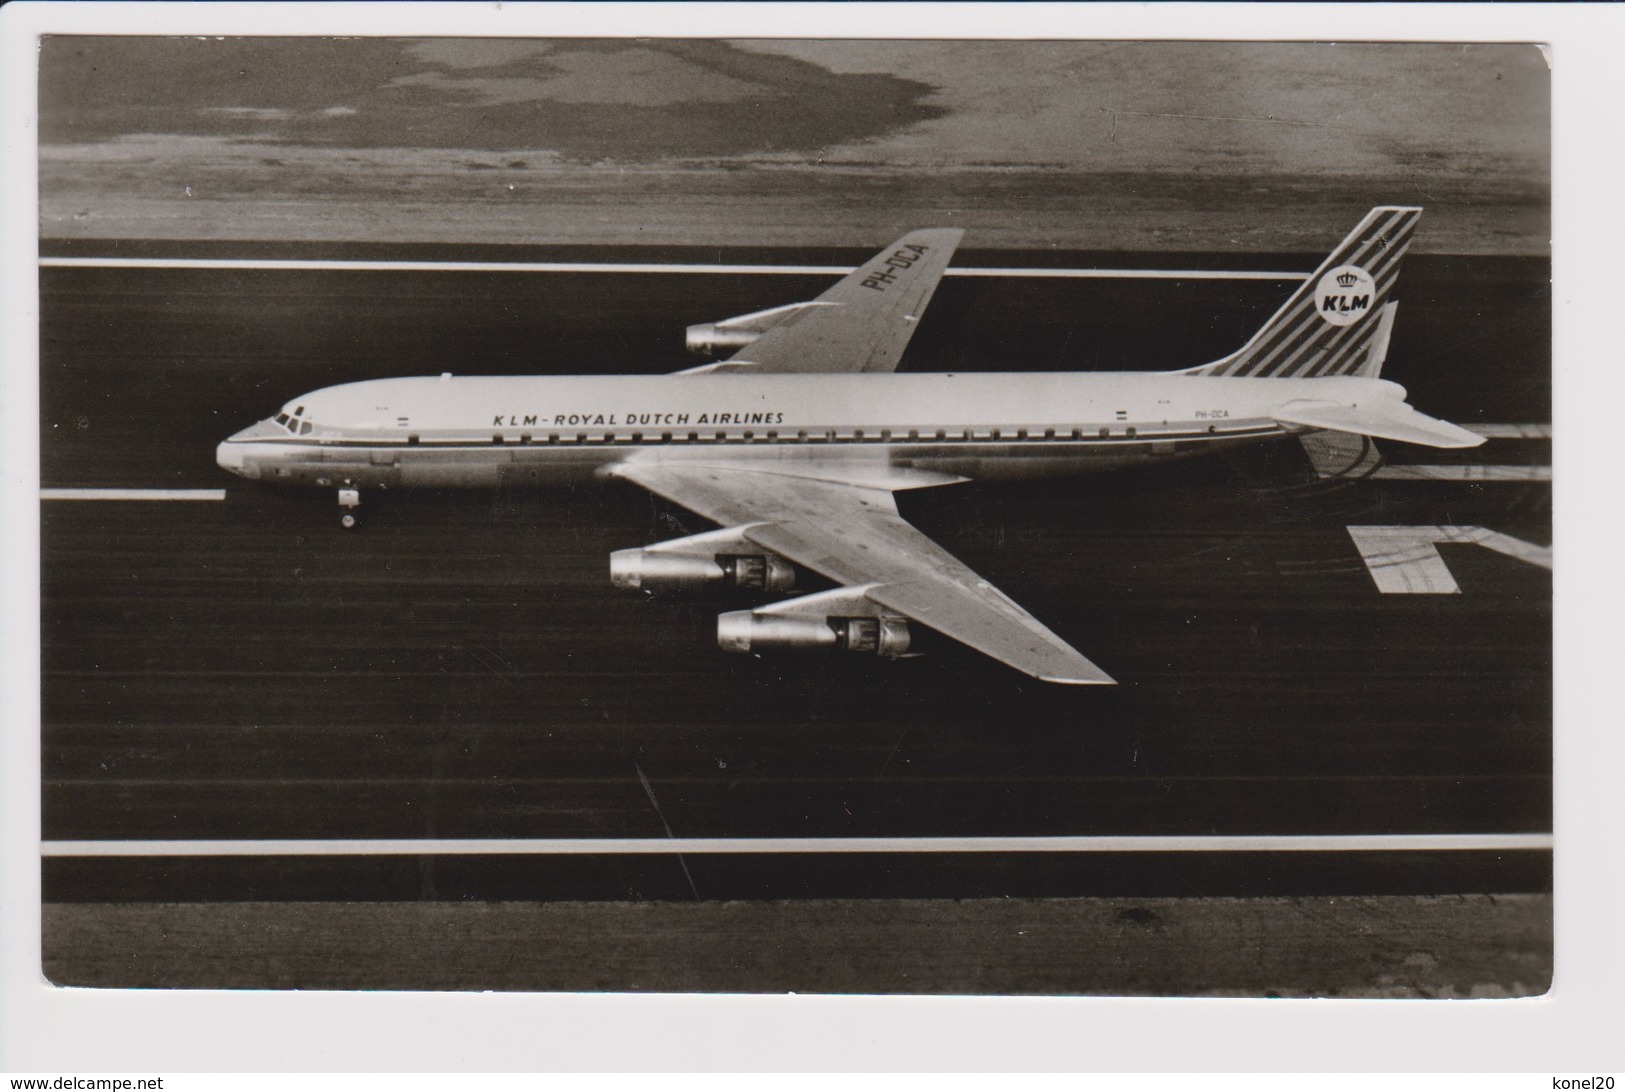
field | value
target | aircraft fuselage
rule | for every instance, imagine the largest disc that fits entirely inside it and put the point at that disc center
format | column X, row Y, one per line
column 480, row 431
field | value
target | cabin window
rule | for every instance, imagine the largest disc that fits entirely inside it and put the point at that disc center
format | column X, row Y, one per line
column 772, row 434
column 1131, row 432
column 857, row 434
column 524, row 437
column 665, row 437
column 722, row 437
column 496, row 437
column 637, row 437
column 885, row 435
column 942, row 434
column 1049, row 434
column 412, row 438
column 802, row 436
column 1105, row 433
column 913, row 434
column 552, row 437
column 749, row 435
column 1213, row 428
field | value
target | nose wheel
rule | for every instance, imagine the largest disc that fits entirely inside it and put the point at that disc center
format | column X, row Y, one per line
column 349, row 500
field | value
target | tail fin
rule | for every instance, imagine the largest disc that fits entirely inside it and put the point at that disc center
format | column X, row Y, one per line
column 1338, row 320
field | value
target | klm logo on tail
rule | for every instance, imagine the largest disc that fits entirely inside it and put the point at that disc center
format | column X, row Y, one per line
column 1344, row 295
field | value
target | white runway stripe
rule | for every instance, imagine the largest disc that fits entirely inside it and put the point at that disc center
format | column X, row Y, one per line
column 132, row 494
column 413, row 847
column 1404, row 560
column 1511, row 432
column 298, row 264
column 1338, row 454
column 1447, row 473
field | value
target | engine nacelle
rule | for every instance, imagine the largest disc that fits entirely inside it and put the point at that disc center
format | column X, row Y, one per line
column 752, row 632
column 739, row 331
column 660, row 570
column 708, row 339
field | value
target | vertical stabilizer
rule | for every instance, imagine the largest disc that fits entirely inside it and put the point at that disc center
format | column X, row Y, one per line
column 1377, row 351
column 1338, row 321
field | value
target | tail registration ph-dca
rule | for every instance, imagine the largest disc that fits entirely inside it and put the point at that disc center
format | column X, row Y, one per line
column 797, row 444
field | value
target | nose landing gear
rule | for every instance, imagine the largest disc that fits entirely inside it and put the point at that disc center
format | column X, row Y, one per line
column 349, row 500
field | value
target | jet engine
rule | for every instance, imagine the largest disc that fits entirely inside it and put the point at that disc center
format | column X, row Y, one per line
column 656, row 570
column 726, row 558
column 708, row 338
column 753, row 632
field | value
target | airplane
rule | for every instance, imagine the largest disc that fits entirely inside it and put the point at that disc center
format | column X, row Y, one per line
column 797, row 443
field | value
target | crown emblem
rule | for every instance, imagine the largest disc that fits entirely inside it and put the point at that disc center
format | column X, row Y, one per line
column 1347, row 280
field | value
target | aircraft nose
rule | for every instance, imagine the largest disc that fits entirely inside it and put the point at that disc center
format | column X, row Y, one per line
column 242, row 452
column 229, row 456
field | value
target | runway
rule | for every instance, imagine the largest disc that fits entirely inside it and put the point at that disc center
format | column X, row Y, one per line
column 243, row 668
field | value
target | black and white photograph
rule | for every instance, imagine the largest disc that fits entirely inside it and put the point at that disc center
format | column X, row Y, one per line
column 611, row 513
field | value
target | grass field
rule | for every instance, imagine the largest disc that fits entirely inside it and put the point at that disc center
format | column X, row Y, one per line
column 1377, row 946
column 1142, row 146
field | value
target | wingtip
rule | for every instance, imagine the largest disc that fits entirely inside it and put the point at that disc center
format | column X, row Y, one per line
column 943, row 236
column 1102, row 679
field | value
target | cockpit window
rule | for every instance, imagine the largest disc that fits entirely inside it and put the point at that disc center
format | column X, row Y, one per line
column 282, row 419
column 304, row 427
column 300, row 412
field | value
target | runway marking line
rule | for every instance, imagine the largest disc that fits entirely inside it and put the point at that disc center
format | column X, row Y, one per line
column 1473, row 473
column 1339, row 455
column 1512, row 432
column 366, row 266
column 132, row 494
column 1404, row 473
column 1137, row 843
column 1405, row 560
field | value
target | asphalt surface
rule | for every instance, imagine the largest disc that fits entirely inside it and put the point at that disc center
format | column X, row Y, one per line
column 461, row 667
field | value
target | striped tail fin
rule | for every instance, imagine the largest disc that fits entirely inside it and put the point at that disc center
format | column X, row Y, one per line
column 1337, row 322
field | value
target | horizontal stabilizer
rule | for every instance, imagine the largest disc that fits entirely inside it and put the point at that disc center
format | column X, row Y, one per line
column 1386, row 419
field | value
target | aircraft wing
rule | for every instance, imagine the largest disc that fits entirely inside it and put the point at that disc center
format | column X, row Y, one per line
column 864, row 322
column 847, row 528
